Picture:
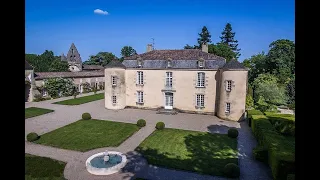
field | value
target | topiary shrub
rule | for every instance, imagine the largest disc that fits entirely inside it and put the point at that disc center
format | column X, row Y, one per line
column 160, row 125
column 231, row 170
column 32, row 137
column 86, row 116
column 233, row 133
column 141, row 123
column 260, row 153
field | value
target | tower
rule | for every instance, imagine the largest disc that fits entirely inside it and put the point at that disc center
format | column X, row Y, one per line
column 115, row 85
column 74, row 59
column 233, row 90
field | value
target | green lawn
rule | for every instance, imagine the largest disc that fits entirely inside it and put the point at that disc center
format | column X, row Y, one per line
column 43, row 168
column 34, row 111
column 85, row 135
column 190, row 150
column 81, row 100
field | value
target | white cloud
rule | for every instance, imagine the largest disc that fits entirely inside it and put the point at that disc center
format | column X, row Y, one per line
column 99, row 11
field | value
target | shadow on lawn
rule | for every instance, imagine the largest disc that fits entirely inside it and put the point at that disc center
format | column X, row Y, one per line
column 206, row 155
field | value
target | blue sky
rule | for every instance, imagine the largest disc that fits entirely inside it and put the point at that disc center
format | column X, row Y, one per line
column 54, row 25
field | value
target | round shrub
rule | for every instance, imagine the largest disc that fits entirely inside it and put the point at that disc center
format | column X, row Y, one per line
column 231, row 170
column 141, row 123
column 233, row 133
column 32, row 137
column 160, row 125
column 86, row 116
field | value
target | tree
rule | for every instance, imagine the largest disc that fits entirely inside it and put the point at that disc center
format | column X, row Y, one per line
column 266, row 86
column 280, row 59
column 205, row 37
column 102, row 58
column 59, row 66
column 222, row 50
column 256, row 64
column 40, row 63
column 291, row 90
column 228, row 38
column 57, row 87
column 127, row 51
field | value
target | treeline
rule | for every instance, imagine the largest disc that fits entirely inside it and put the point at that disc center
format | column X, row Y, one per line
column 272, row 77
column 227, row 47
column 48, row 62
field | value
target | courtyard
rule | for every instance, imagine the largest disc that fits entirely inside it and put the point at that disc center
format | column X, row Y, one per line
column 205, row 127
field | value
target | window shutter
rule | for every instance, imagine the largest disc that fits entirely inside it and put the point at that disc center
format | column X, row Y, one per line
column 225, row 85
column 233, row 84
column 137, row 78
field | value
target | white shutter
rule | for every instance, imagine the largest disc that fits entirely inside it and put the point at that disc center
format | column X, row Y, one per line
column 137, row 80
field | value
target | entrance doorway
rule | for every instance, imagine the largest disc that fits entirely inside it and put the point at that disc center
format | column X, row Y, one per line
column 168, row 100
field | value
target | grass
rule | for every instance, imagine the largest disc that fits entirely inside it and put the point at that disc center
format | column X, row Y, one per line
column 81, row 100
column 43, row 168
column 84, row 135
column 200, row 152
column 34, row 111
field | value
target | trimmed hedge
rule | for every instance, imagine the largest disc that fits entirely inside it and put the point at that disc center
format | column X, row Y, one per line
column 32, row 137
column 231, row 170
column 252, row 112
column 260, row 153
column 141, row 123
column 281, row 149
column 283, row 123
column 160, row 125
column 86, row 116
column 233, row 133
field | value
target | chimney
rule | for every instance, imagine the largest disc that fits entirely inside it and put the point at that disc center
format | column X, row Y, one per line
column 204, row 47
column 149, row 47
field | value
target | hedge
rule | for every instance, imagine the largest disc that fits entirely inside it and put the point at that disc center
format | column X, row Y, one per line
column 283, row 123
column 252, row 112
column 281, row 149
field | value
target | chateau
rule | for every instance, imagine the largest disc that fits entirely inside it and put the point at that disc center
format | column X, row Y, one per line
column 188, row 80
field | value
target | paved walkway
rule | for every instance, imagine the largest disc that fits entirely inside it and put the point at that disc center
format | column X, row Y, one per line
column 137, row 165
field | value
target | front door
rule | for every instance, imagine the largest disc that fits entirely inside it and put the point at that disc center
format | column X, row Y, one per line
column 168, row 101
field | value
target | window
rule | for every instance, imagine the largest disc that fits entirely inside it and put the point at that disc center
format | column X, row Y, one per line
column 227, row 107
column 169, row 79
column 140, row 77
column 200, row 63
column 201, row 78
column 114, row 99
column 71, row 52
column 139, row 96
column 114, row 80
column 169, row 63
column 200, row 100
column 139, row 63
column 228, row 85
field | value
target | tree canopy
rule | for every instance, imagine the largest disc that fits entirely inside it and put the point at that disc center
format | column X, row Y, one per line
column 228, row 38
column 102, row 58
column 127, row 51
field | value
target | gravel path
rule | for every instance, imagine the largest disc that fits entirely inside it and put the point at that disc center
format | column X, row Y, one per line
column 137, row 165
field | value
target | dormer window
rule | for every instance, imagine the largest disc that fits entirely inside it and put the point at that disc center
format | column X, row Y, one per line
column 201, row 63
column 139, row 62
column 169, row 63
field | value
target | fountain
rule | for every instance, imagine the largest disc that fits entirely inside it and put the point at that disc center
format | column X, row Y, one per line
column 106, row 163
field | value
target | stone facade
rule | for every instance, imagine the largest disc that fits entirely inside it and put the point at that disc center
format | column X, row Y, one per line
column 188, row 80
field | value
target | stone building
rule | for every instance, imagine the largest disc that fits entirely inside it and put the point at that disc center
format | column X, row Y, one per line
column 79, row 73
column 188, row 80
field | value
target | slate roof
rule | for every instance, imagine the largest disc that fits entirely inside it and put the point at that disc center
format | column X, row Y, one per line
column 234, row 64
column 181, row 59
column 45, row 75
column 181, row 54
column 176, row 64
column 27, row 66
column 92, row 67
column 116, row 63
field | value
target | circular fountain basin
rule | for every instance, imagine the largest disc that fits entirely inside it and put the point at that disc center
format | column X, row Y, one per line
column 96, row 165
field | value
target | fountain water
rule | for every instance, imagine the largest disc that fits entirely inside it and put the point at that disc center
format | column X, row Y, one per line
column 106, row 163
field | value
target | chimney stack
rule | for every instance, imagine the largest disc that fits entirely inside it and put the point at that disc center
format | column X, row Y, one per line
column 204, row 47
column 149, row 47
